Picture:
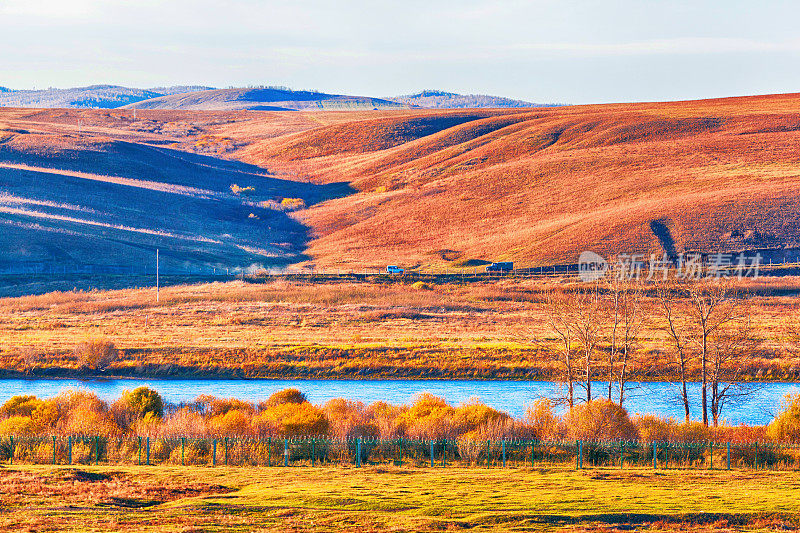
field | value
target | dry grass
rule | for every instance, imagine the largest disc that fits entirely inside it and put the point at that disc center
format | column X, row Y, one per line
column 454, row 187
column 539, row 187
column 300, row 329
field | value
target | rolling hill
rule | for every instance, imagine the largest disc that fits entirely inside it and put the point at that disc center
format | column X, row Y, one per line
column 264, row 99
column 420, row 188
column 90, row 191
column 540, row 186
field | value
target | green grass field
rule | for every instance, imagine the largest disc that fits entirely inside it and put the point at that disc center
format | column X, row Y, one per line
column 38, row 498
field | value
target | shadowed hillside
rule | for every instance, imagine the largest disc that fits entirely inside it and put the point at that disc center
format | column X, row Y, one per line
column 88, row 197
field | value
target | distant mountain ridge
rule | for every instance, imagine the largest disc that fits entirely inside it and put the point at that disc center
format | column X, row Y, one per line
column 199, row 97
column 264, row 99
column 92, row 96
column 433, row 99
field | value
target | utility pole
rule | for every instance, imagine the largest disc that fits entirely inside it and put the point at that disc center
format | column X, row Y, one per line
column 157, row 274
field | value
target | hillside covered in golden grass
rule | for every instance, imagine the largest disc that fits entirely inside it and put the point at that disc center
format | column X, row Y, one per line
column 418, row 188
column 540, row 186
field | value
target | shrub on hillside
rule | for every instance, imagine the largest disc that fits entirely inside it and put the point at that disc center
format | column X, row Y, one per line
column 236, row 189
column 96, row 354
column 599, row 420
column 284, row 204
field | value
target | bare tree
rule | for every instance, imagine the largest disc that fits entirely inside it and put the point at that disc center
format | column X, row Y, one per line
column 559, row 320
column 698, row 320
column 710, row 308
column 731, row 351
column 587, row 325
column 624, row 324
column 677, row 333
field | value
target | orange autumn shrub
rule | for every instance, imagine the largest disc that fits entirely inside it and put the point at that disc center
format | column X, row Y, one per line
column 232, row 423
column 291, row 420
column 290, row 395
column 540, row 422
column 429, row 417
column 387, row 419
column 786, row 426
column 348, row 419
column 599, row 420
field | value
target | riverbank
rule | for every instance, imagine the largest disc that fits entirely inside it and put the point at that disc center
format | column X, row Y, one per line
column 295, row 329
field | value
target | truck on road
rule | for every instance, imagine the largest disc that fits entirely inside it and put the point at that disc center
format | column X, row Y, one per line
column 502, row 266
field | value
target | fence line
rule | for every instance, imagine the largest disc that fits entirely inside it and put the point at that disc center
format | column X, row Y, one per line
column 318, row 451
column 366, row 273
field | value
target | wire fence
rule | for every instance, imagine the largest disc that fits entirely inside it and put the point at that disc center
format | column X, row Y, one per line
column 313, row 451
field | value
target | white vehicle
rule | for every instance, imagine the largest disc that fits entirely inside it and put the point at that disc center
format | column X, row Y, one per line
column 392, row 269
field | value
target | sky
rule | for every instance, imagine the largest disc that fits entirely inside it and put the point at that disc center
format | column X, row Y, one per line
column 565, row 51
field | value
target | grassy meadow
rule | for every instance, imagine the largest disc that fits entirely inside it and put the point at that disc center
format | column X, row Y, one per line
column 39, row 498
column 293, row 328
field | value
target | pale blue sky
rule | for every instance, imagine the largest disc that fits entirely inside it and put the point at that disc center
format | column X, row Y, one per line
column 572, row 51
